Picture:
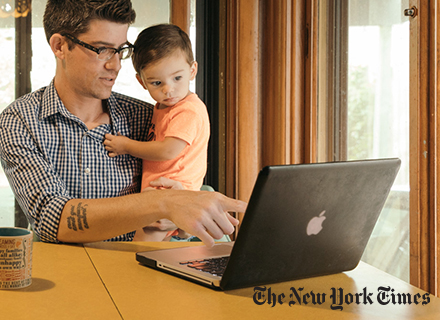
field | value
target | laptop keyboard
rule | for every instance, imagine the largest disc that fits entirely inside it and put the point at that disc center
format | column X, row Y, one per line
column 214, row 266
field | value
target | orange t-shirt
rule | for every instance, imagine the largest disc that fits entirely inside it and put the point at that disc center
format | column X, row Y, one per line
column 187, row 120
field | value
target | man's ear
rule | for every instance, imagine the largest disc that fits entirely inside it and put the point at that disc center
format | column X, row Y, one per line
column 57, row 44
column 139, row 79
column 193, row 70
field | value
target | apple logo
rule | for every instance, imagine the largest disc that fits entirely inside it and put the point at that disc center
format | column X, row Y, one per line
column 315, row 224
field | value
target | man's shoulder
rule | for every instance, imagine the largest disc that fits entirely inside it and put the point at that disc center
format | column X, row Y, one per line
column 25, row 103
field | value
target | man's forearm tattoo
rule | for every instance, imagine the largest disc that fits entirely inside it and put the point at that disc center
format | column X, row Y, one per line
column 78, row 217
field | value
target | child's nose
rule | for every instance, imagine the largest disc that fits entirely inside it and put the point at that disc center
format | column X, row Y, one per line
column 167, row 89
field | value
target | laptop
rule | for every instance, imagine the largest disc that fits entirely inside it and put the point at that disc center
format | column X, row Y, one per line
column 302, row 221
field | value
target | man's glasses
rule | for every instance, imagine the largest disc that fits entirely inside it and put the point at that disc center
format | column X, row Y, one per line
column 105, row 53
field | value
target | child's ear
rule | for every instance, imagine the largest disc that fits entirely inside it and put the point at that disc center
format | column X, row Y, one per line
column 139, row 79
column 193, row 70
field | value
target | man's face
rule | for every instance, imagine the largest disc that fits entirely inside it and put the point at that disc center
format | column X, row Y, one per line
column 168, row 79
column 83, row 75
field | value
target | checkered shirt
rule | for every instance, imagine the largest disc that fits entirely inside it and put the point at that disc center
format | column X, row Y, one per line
column 49, row 156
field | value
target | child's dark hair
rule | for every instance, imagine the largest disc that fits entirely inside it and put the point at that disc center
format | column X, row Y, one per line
column 159, row 41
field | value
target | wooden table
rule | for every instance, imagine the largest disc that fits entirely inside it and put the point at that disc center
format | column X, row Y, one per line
column 104, row 281
column 65, row 285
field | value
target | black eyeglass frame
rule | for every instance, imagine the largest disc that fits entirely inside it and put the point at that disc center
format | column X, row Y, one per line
column 98, row 51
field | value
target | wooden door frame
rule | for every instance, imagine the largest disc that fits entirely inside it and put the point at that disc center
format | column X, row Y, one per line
column 424, row 142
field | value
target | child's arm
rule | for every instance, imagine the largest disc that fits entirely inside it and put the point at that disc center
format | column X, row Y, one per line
column 167, row 149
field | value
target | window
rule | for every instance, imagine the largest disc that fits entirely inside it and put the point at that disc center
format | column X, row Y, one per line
column 7, row 95
column 42, row 65
column 364, row 107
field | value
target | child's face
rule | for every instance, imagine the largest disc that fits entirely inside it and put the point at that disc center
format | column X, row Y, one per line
column 168, row 79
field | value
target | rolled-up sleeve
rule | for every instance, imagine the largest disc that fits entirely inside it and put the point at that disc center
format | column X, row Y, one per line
column 39, row 191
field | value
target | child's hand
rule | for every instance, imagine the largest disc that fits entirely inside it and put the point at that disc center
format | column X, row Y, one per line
column 115, row 145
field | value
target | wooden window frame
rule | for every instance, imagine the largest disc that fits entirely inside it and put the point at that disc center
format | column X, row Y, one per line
column 23, row 67
column 424, row 142
column 332, row 97
column 180, row 14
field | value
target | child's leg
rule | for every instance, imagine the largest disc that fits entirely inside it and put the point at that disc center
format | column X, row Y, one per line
column 183, row 234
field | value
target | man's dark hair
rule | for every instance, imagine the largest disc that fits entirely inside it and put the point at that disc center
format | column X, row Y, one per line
column 73, row 16
column 159, row 41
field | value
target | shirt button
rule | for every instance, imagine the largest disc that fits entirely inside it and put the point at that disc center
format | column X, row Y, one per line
column 87, row 171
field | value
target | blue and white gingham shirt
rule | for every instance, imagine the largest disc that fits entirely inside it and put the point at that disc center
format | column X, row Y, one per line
column 49, row 156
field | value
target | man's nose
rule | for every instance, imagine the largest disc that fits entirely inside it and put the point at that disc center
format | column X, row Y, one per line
column 114, row 63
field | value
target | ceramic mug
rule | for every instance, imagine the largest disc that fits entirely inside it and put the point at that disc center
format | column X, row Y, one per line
column 15, row 257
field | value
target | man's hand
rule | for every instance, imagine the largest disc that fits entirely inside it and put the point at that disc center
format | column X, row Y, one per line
column 162, row 183
column 115, row 145
column 201, row 213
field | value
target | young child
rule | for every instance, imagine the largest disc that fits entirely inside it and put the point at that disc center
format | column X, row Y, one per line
column 179, row 134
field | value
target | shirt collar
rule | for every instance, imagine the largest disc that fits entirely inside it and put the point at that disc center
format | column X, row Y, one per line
column 52, row 104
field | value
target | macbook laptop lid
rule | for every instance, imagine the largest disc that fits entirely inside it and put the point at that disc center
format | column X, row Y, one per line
column 301, row 221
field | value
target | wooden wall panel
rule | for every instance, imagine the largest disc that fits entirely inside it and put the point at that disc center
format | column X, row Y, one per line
column 265, row 89
column 249, row 97
column 417, row 164
column 283, row 90
column 231, row 99
column 180, row 14
column 434, row 251
column 243, row 90
column 297, row 83
column 425, row 148
column 311, row 83
column 276, row 82
column 266, row 48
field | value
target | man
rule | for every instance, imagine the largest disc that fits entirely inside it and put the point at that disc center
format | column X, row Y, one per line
column 51, row 141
